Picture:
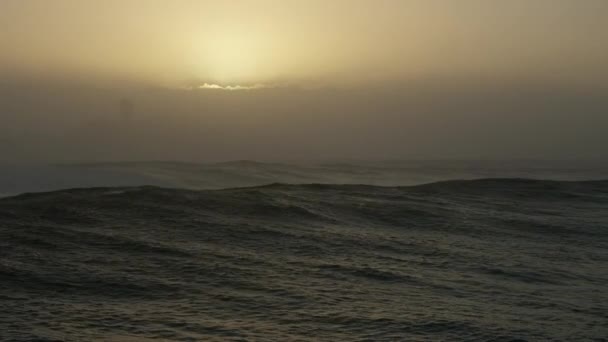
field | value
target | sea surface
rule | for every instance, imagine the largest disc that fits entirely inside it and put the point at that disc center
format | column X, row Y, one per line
column 502, row 259
column 20, row 178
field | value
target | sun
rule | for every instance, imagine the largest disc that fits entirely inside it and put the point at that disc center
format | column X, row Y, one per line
column 231, row 57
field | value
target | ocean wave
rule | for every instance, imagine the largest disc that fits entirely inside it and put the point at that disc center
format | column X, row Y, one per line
column 501, row 259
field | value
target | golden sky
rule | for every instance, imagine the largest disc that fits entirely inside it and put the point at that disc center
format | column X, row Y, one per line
column 302, row 79
column 299, row 41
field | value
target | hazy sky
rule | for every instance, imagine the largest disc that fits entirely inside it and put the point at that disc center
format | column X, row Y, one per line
column 336, row 78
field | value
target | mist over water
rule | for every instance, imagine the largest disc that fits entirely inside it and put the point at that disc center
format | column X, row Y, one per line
column 17, row 179
column 351, row 79
column 46, row 123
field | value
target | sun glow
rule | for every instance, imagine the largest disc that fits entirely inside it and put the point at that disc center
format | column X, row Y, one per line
column 234, row 57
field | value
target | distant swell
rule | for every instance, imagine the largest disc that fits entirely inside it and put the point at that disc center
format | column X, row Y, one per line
column 489, row 259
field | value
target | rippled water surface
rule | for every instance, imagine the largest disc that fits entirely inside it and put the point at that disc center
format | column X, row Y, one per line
column 486, row 260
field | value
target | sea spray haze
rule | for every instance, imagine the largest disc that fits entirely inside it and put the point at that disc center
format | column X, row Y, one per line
column 306, row 80
column 16, row 179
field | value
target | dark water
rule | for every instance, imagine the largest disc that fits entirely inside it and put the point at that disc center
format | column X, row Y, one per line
column 486, row 260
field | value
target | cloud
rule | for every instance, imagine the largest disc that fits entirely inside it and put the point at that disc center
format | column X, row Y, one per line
column 234, row 87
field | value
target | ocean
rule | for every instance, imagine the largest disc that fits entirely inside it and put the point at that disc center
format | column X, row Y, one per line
column 389, row 254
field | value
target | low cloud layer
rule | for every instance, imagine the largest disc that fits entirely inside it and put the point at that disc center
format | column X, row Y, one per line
column 74, row 122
